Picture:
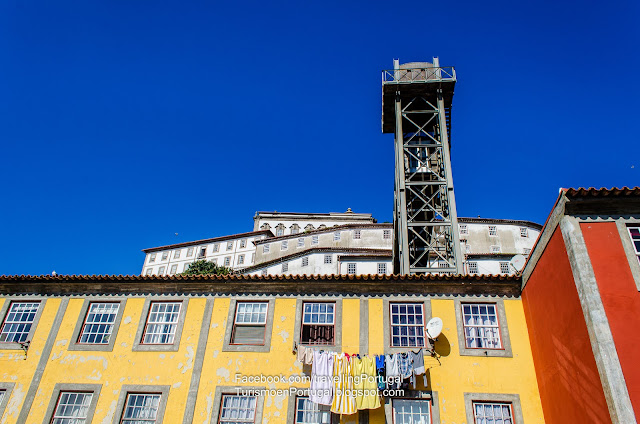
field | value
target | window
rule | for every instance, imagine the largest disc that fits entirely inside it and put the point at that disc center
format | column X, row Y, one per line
column 493, row 231
column 526, row 251
column 305, row 261
column 295, row 229
column 301, row 242
column 236, row 409
column 327, row 259
column 382, row 268
column 190, row 252
column 229, row 245
column 162, row 322
column 467, row 248
column 336, row 236
column 161, row 270
column 321, row 227
column 504, row 267
column 463, row 229
column 351, row 268
column 284, row 245
column 634, row 233
column 253, row 257
column 285, row 267
column 227, row 261
column 386, row 234
column 98, row 323
column 407, row 325
column 524, row 232
column 308, row 227
column 264, row 272
column 216, row 247
column 473, row 267
column 174, row 269
column 149, row 271
column 72, row 408
column 176, row 255
column 249, row 323
column 356, row 234
column 309, row 412
column 203, row 252
column 265, row 248
column 141, row 408
column 495, row 249
column 243, row 243
column 186, row 267
column 492, row 412
column 165, row 255
column 411, row 411
column 214, row 261
column 240, row 259
column 152, row 257
column 481, row 328
column 18, row 321
column 318, row 323
column 314, row 239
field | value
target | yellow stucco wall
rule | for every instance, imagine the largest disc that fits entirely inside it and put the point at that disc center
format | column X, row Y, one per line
column 455, row 376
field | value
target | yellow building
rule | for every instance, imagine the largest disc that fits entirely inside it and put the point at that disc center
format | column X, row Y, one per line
column 107, row 349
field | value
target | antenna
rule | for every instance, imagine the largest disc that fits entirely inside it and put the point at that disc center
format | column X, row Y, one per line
column 434, row 328
column 517, row 262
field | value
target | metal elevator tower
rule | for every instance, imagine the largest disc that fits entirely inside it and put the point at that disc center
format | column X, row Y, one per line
column 416, row 107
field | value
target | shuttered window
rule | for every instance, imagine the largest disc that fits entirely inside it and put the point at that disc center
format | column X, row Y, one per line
column 318, row 323
column 250, row 323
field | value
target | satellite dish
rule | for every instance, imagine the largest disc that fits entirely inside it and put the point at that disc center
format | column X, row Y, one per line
column 434, row 327
column 518, row 262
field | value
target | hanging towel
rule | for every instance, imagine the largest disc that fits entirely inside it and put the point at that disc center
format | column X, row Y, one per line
column 321, row 389
column 344, row 401
column 392, row 371
column 364, row 373
column 308, row 357
column 418, row 366
column 301, row 353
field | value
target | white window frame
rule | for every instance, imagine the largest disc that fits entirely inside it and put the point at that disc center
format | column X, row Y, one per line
column 386, row 234
column 261, row 320
column 473, row 267
column 467, row 248
column 149, row 271
column 229, row 245
column 496, row 249
column 526, row 251
column 336, row 236
column 216, row 247
column 305, row 261
column 328, row 259
column 352, row 268
column 504, row 268
column 11, row 334
column 130, row 402
column 237, row 403
column 165, row 255
column 285, row 267
column 464, row 230
column 308, row 314
column 493, row 230
column 186, row 266
column 382, row 268
column 482, row 333
column 301, row 242
column 176, row 254
column 264, row 272
column 95, row 324
column 161, row 270
column 189, row 252
column 417, row 325
column 524, row 232
column 311, row 412
column 173, row 269
column 168, row 328
column 284, row 245
column 152, row 257
column 314, row 239
column 395, row 402
column 265, row 248
column 227, row 261
column 240, row 259
column 483, row 418
column 243, row 243
column 60, row 414
column 357, row 234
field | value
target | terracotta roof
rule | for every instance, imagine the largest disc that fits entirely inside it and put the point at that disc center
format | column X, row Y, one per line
column 269, row 284
column 324, row 230
column 500, row 221
column 209, row 240
column 310, row 250
column 601, row 192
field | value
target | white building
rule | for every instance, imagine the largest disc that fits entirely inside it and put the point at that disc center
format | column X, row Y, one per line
column 489, row 244
column 364, row 248
column 234, row 251
column 338, row 243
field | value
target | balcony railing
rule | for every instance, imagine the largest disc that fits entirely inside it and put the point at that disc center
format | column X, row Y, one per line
column 395, row 76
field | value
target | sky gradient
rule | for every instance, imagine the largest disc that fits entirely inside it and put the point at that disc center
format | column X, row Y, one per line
column 124, row 123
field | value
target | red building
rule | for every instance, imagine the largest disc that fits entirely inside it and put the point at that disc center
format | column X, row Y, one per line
column 581, row 296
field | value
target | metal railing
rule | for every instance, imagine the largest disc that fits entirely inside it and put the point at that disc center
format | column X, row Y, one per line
column 445, row 73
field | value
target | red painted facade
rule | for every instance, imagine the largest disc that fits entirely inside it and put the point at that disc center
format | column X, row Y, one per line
column 619, row 296
column 568, row 379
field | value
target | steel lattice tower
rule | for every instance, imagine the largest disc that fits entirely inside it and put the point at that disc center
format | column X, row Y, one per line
column 416, row 107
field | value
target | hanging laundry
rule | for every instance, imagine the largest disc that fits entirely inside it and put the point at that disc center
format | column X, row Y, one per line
column 380, row 371
column 405, row 366
column 308, row 357
column 344, row 401
column 364, row 373
column 321, row 388
column 302, row 350
column 418, row 366
column 392, row 371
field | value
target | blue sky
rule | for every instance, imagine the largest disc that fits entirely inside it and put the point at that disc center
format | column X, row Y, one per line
column 123, row 123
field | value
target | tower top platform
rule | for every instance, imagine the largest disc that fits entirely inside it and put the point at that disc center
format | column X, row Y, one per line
column 413, row 79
